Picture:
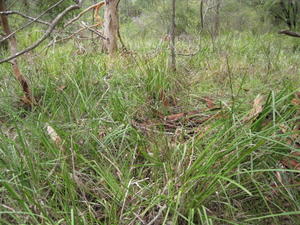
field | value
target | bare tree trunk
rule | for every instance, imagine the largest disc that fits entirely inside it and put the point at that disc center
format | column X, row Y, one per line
column 187, row 5
column 3, row 44
column 201, row 15
column 13, row 49
column 217, row 18
column 111, row 26
column 172, row 34
column 26, row 3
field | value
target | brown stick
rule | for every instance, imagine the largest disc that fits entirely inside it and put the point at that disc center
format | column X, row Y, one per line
column 30, row 22
column 47, row 33
column 289, row 33
column 94, row 31
column 6, row 13
column 96, row 6
column 13, row 49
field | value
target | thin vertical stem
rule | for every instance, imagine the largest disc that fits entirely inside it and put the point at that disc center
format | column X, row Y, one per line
column 172, row 44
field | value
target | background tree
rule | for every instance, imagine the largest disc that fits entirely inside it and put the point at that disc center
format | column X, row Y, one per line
column 172, row 37
column 111, row 26
column 216, row 29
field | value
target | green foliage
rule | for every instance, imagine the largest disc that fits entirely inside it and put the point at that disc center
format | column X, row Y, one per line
column 43, row 5
column 285, row 12
column 119, row 160
column 109, row 171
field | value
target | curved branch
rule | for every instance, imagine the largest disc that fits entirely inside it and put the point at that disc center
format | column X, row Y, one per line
column 27, row 24
column 97, row 5
column 6, row 13
column 47, row 33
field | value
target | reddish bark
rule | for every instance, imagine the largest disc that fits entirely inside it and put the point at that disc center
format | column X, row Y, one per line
column 13, row 49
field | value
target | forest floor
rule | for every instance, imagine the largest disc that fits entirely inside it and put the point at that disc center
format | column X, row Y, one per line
column 125, row 141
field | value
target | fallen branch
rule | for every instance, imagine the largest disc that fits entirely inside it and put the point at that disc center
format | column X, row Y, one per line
column 47, row 33
column 289, row 33
column 6, row 13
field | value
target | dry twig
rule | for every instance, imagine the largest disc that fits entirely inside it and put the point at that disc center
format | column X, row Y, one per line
column 47, row 33
column 6, row 13
column 29, row 23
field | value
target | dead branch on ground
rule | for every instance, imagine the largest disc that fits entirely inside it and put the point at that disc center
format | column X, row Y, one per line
column 289, row 33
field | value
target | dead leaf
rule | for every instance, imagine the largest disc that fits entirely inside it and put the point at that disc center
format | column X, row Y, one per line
column 209, row 102
column 201, row 131
column 53, row 135
column 291, row 164
column 167, row 100
column 296, row 102
column 62, row 87
column 297, row 154
column 256, row 109
column 175, row 116
column 283, row 128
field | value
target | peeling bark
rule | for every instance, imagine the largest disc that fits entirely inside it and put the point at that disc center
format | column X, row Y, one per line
column 111, row 26
column 13, row 49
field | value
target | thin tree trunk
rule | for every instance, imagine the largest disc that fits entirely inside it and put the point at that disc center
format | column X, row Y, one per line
column 217, row 18
column 187, row 5
column 13, row 50
column 111, row 26
column 172, row 44
column 201, row 15
column 3, row 44
column 26, row 3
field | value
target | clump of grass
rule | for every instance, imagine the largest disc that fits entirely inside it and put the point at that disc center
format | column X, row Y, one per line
column 109, row 172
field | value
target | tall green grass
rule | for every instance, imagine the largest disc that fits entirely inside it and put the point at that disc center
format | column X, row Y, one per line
column 109, row 172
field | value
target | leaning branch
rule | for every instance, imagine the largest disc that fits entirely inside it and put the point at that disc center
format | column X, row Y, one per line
column 97, row 5
column 30, row 22
column 6, row 13
column 47, row 33
column 70, row 36
column 94, row 31
column 289, row 33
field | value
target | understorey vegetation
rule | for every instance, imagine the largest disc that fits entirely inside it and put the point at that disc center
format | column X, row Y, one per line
column 191, row 117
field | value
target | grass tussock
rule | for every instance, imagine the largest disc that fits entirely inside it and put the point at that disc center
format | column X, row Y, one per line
column 113, row 155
